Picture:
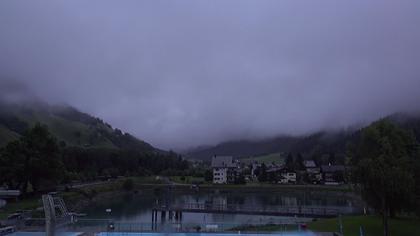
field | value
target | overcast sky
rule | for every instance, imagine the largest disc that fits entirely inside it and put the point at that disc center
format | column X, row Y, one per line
column 184, row 73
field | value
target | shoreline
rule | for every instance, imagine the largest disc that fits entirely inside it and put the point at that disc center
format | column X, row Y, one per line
column 77, row 201
column 81, row 196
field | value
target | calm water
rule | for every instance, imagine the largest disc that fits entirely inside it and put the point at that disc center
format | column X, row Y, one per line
column 138, row 207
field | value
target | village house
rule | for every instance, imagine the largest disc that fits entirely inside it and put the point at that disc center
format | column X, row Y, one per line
column 224, row 169
column 281, row 175
column 311, row 167
column 333, row 174
column 254, row 167
column 313, row 172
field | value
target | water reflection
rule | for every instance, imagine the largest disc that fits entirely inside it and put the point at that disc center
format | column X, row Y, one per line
column 138, row 208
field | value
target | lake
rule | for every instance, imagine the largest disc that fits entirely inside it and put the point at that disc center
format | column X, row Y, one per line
column 138, row 207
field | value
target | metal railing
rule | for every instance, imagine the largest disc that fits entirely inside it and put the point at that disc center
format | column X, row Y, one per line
column 272, row 210
column 9, row 193
column 109, row 225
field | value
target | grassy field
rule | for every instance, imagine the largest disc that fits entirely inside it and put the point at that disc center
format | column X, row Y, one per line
column 147, row 180
column 372, row 225
column 25, row 204
column 187, row 179
column 277, row 158
column 265, row 228
column 65, row 130
column 276, row 187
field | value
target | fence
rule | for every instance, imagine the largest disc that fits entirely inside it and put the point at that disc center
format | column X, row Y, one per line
column 310, row 211
column 108, row 225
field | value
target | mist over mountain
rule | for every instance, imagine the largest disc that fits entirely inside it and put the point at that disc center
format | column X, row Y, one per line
column 191, row 73
column 317, row 143
column 312, row 145
column 70, row 126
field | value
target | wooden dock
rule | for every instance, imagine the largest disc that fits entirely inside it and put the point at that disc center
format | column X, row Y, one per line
column 294, row 211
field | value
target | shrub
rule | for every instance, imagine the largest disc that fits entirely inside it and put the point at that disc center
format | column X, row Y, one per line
column 128, row 185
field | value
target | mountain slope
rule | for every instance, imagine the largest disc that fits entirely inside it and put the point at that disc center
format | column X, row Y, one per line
column 317, row 144
column 70, row 126
column 7, row 135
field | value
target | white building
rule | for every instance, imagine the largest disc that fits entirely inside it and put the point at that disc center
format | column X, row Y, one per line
column 288, row 177
column 223, row 169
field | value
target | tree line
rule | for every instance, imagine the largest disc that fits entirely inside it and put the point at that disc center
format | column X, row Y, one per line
column 385, row 163
column 36, row 162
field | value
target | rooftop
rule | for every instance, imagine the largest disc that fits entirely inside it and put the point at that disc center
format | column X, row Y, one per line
column 309, row 164
column 332, row 168
column 222, row 161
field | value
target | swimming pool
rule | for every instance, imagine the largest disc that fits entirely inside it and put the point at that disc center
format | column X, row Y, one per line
column 43, row 234
column 306, row 233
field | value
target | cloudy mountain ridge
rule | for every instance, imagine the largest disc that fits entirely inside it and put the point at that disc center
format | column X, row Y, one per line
column 69, row 125
column 315, row 144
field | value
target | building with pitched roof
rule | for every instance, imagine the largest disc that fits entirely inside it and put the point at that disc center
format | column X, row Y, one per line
column 224, row 169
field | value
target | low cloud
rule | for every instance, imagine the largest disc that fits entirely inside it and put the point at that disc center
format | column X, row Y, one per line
column 186, row 73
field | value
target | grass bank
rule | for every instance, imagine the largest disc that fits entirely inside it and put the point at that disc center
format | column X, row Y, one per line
column 372, row 226
column 264, row 228
column 276, row 187
column 186, row 179
column 255, row 186
column 13, row 206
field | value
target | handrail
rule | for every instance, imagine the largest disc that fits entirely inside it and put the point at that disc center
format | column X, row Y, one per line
column 310, row 210
column 9, row 193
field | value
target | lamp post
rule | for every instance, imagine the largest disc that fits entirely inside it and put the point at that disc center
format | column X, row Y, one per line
column 340, row 221
column 111, row 225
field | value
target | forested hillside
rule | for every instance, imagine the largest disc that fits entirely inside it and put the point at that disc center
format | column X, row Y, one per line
column 58, row 144
column 70, row 126
column 320, row 145
column 36, row 162
column 315, row 144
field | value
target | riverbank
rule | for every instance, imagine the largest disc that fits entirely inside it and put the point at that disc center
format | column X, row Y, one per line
column 156, row 182
column 278, row 187
column 189, row 180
